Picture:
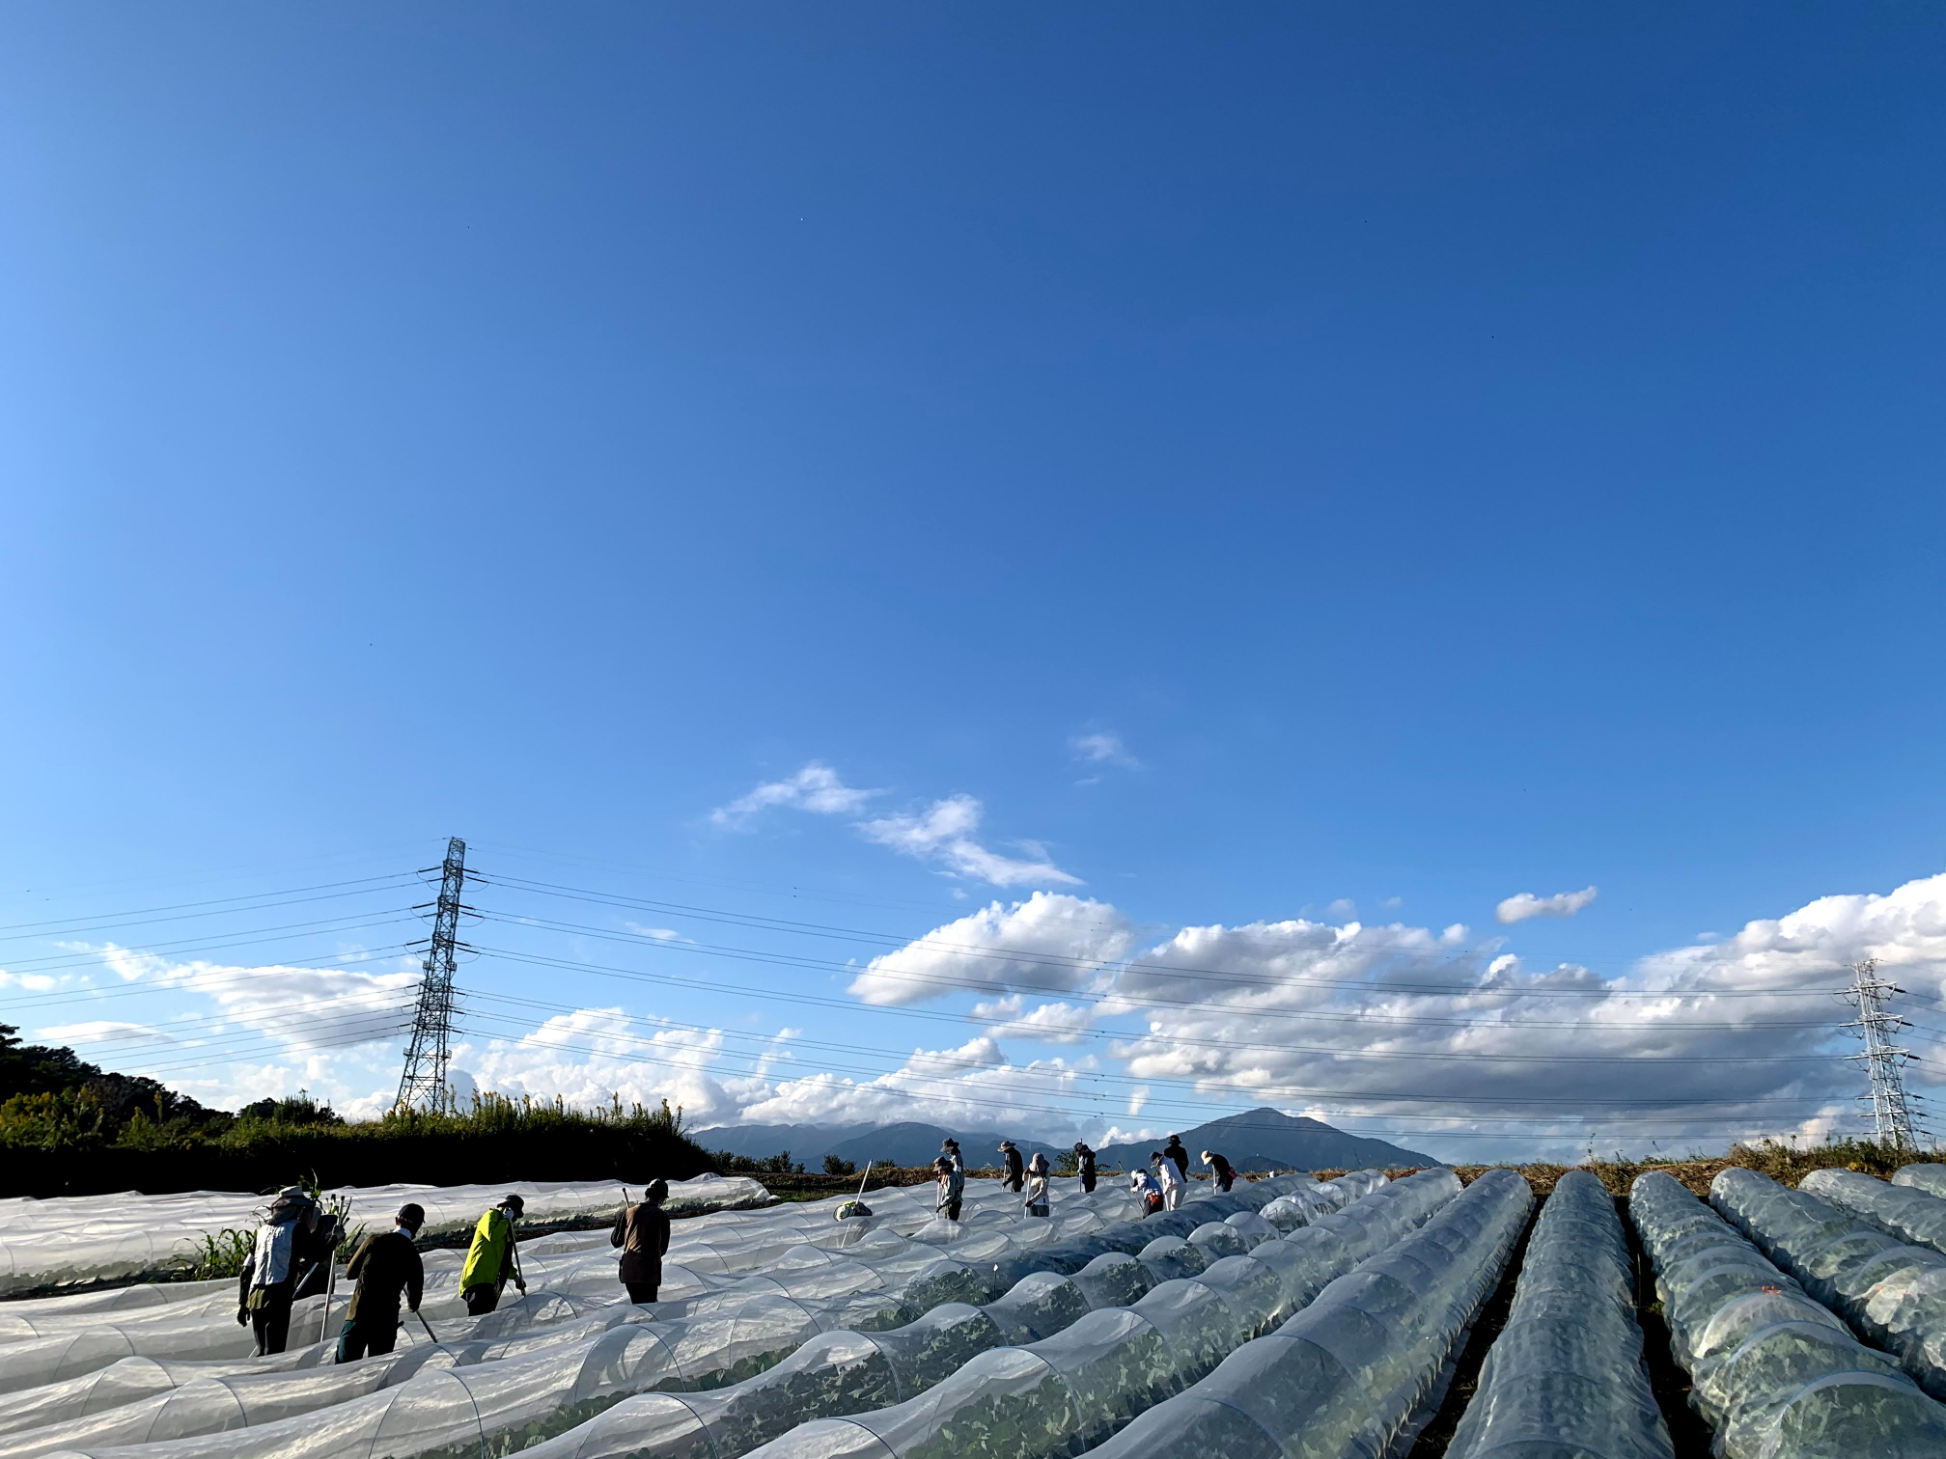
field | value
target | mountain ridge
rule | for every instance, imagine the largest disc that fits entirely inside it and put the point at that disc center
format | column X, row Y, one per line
column 1258, row 1139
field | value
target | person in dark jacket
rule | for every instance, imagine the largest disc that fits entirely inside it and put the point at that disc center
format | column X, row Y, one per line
column 1016, row 1175
column 287, row 1243
column 1174, row 1151
column 385, row 1267
column 1084, row 1165
column 1220, row 1168
column 642, row 1232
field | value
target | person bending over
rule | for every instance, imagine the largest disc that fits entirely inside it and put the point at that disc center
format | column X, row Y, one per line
column 492, row 1260
column 385, row 1267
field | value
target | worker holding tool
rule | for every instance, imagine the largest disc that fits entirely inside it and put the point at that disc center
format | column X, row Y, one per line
column 385, row 1267
column 492, row 1258
column 286, row 1242
column 642, row 1232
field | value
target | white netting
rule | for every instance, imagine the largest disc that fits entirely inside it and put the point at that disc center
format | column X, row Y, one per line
column 1357, row 1371
column 1910, row 1212
column 1928, row 1178
column 1565, row 1377
column 1776, row 1373
column 1071, row 1390
column 1891, row 1292
column 74, row 1239
column 745, row 1291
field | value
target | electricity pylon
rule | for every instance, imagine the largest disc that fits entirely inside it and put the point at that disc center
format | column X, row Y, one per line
column 423, row 1082
column 1892, row 1121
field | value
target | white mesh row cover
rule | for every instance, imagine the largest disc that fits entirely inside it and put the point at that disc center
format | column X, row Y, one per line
column 1565, row 1378
column 1928, row 1178
column 1892, row 1293
column 73, row 1239
column 504, row 1387
column 1910, row 1212
column 1776, row 1373
column 1052, row 1396
column 62, row 1338
column 1356, row 1371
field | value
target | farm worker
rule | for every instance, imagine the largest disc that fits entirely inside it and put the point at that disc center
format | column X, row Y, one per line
column 949, row 1189
column 1174, row 1151
column 491, row 1259
column 385, row 1267
column 952, row 1188
column 1144, row 1186
column 1036, row 1200
column 642, row 1232
column 1169, row 1177
column 1012, row 1179
column 1084, row 1165
column 1220, row 1168
column 286, row 1242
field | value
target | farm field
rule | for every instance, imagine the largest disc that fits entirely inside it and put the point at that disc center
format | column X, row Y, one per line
column 1414, row 1315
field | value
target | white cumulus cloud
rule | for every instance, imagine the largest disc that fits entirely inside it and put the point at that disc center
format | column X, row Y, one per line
column 944, row 832
column 1522, row 905
column 1054, row 942
column 816, row 788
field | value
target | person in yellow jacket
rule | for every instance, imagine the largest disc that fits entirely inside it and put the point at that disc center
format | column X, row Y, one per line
column 491, row 1260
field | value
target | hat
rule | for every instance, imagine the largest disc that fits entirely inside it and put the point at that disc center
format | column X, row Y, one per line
column 949, row 1143
column 513, row 1203
column 1080, row 1147
column 657, row 1191
column 1006, row 1144
column 1039, row 1162
column 412, row 1215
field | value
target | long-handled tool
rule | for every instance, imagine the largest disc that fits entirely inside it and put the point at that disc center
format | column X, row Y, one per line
column 331, row 1277
column 865, row 1177
column 425, row 1324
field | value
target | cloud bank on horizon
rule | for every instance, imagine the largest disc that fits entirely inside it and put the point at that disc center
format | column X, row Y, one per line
column 1406, row 1031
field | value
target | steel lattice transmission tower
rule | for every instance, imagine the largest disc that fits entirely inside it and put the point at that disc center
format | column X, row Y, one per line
column 1884, row 1060
column 423, row 1083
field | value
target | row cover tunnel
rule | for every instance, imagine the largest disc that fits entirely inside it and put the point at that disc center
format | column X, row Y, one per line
column 1290, row 1317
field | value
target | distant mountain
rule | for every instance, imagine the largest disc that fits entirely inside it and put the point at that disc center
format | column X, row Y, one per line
column 916, row 1144
column 808, row 1144
column 1262, row 1139
column 1272, row 1141
column 908, row 1143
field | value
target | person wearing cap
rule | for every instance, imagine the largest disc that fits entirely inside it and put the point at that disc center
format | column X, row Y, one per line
column 1036, row 1200
column 385, row 1267
column 949, row 1150
column 1221, row 1169
column 1146, row 1190
column 642, row 1232
column 291, row 1237
column 951, row 1180
column 1012, row 1180
column 491, row 1260
column 1168, row 1175
column 1084, row 1166
column 1174, row 1151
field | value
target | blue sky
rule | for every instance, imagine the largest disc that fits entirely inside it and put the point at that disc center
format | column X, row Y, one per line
column 1267, row 467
